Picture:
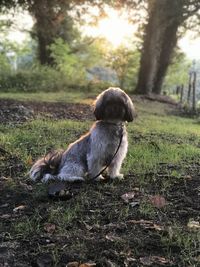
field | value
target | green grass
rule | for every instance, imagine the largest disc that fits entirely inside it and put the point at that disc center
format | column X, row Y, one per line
column 153, row 138
column 72, row 97
column 156, row 139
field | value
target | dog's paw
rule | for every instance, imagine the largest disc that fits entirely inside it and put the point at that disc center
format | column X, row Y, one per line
column 99, row 178
column 35, row 174
column 119, row 176
column 47, row 177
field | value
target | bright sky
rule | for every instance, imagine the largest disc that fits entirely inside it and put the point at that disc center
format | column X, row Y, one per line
column 115, row 28
column 190, row 46
column 23, row 22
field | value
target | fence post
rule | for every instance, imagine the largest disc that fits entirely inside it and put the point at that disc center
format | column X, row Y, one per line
column 189, row 88
column 194, row 91
column 182, row 92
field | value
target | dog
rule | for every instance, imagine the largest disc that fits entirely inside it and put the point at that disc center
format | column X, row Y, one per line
column 105, row 144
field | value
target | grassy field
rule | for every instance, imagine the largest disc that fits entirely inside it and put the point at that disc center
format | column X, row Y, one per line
column 157, row 224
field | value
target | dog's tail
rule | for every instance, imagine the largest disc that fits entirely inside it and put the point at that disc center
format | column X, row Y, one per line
column 49, row 164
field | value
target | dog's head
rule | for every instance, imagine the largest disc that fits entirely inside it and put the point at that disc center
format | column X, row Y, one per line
column 115, row 105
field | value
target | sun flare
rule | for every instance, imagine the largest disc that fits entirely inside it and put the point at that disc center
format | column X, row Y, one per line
column 115, row 28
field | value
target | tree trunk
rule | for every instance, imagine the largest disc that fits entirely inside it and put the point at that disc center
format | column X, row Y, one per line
column 51, row 22
column 159, row 41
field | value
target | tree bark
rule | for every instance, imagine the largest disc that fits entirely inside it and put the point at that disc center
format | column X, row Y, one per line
column 159, row 41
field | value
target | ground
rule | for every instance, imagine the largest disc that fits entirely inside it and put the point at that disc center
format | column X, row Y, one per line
column 151, row 218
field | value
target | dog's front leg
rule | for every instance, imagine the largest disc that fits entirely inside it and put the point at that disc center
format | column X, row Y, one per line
column 94, row 168
column 115, row 166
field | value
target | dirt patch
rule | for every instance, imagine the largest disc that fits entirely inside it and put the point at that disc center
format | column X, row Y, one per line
column 13, row 112
column 96, row 225
column 160, row 98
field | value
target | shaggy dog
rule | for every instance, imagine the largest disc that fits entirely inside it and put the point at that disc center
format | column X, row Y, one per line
column 104, row 145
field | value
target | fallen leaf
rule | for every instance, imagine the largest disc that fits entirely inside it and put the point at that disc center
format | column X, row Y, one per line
column 109, row 263
column 160, row 260
column 147, row 224
column 87, row 226
column 134, row 203
column 149, row 260
column 73, row 264
column 128, row 196
column 193, row 225
column 128, row 261
column 157, row 201
column 19, row 208
column 146, row 261
column 188, row 177
column 88, row 264
column 113, row 238
column 5, row 216
column 49, row 227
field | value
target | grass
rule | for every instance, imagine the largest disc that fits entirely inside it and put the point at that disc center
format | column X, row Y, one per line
column 162, row 147
column 72, row 97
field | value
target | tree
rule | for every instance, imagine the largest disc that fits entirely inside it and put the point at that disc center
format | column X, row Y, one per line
column 177, row 73
column 126, row 63
column 160, row 38
column 52, row 21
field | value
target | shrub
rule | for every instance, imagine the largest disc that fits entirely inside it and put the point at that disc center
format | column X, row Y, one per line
column 37, row 79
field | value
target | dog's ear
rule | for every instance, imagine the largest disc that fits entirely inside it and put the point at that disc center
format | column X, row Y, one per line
column 99, row 108
column 130, row 113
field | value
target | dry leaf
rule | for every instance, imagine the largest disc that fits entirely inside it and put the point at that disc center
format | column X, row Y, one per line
column 49, row 227
column 160, row 260
column 5, row 216
column 134, row 203
column 188, row 177
column 148, row 261
column 128, row 261
column 148, row 224
column 157, row 201
column 87, row 226
column 19, row 208
column 128, row 196
column 73, row 264
column 193, row 225
column 88, row 264
column 113, row 238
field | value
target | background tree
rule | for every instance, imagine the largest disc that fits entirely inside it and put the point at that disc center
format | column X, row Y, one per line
column 52, row 21
column 125, row 62
column 177, row 73
column 160, row 38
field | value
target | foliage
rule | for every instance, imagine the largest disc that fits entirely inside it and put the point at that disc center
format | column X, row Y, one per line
column 66, row 62
column 126, row 63
column 177, row 73
column 5, row 67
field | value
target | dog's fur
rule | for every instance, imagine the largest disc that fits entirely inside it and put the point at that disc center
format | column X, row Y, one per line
column 92, row 152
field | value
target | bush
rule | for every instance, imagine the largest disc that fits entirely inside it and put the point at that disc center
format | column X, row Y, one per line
column 44, row 79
